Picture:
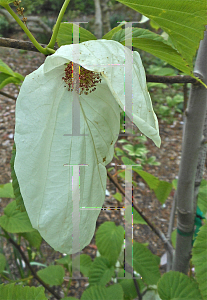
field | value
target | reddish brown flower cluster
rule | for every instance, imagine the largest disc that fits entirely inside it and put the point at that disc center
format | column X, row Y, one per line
column 85, row 83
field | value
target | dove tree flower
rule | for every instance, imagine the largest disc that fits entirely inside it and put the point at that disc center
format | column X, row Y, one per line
column 46, row 146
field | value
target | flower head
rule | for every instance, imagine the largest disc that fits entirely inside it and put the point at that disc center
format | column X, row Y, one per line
column 93, row 80
column 84, row 83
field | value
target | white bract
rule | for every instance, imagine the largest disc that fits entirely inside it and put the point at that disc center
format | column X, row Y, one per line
column 44, row 116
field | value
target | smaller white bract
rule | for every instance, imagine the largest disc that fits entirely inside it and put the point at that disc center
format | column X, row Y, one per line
column 44, row 116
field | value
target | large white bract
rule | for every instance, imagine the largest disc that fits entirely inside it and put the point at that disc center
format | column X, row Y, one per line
column 44, row 115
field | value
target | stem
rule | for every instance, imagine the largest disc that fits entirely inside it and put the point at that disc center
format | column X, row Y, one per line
column 28, row 33
column 18, row 280
column 57, row 25
column 137, row 288
column 47, row 287
column 158, row 232
column 25, row 45
column 7, row 95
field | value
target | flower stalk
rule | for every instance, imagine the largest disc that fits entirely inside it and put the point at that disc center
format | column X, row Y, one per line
column 57, row 25
column 46, row 50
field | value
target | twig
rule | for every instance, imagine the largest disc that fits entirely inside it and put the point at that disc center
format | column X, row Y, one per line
column 8, row 96
column 158, row 232
column 16, row 44
column 30, row 267
column 144, row 292
column 137, row 288
column 170, row 79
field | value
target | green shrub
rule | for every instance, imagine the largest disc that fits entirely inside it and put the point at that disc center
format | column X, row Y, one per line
column 55, row 5
column 41, row 6
column 32, row 6
column 116, row 17
column 4, row 26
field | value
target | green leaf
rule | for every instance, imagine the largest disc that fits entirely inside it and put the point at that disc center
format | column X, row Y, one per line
column 34, row 238
column 175, row 183
column 6, row 190
column 154, row 25
column 119, row 151
column 202, row 195
column 199, row 259
column 8, row 76
column 128, row 161
column 10, row 79
column 137, row 219
column 110, row 34
column 152, row 161
column 113, row 292
column 185, row 23
column 152, row 181
column 144, row 263
column 85, row 264
column 66, row 260
column 178, row 286
column 19, row 76
column 2, row 262
column 65, row 33
column 118, row 197
column 3, row 77
column 15, row 221
column 18, row 292
column 100, row 272
column 15, row 183
column 163, row 51
column 161, row 188
column 53, row 275
column 109, row 240
column 128, row 285
column 140, row 33
column 4, row 68
column 122, row 141
column 135, row 150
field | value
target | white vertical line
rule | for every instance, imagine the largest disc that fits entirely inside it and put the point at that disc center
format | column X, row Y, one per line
column 128, row 225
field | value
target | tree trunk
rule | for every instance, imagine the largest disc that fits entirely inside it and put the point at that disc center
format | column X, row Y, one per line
column 105, row 16
column 192, row 143
column 98, row 20
column 201, row 164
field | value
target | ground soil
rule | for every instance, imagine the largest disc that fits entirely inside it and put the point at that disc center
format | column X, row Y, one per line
column 168, row 155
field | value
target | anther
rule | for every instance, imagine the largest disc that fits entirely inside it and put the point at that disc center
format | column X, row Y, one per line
column 85, row 82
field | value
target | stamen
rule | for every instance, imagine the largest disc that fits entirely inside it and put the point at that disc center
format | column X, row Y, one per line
column 86, row 81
